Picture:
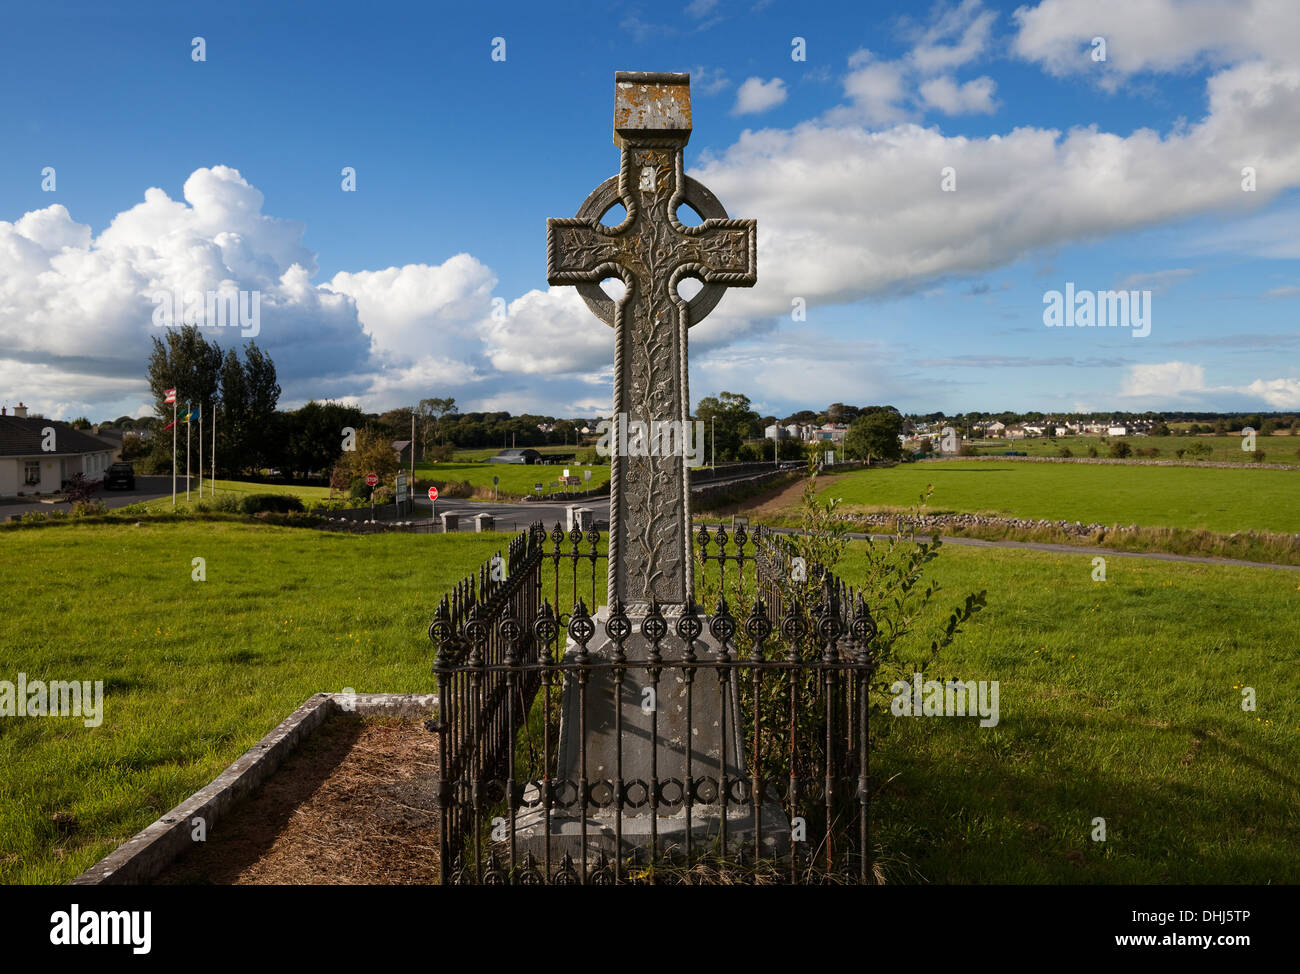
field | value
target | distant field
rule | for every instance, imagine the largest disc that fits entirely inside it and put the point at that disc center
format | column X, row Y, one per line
column 1278, row 449
column 1214, row 498
column 516, row 478
column 478, row 454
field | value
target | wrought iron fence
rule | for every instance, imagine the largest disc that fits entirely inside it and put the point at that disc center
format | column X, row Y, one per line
column 751, row 765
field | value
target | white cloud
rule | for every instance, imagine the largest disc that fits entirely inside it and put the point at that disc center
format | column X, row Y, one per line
column 1163, row 380
column 417, row 308
column 1158, row 282
column 756, row 95
column 709, row 81
column 845, row 211
column 953, row 99
column 1278, row 393
column 967, row 26
column 1154, row 35
column 546, row 332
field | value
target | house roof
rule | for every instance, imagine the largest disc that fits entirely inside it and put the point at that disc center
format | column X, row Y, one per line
column 22, row 437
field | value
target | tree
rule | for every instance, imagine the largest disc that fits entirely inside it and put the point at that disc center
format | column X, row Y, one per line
column 374, row 454
column 1120, row 450
column 729, row 418
column 314, row 435
column 875, row 434
column 263, row 393
column 182, row 360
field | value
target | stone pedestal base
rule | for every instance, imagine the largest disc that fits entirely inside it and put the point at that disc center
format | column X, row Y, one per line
column 661, row 743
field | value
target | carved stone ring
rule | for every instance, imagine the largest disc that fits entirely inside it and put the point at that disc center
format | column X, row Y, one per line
column 604, row 198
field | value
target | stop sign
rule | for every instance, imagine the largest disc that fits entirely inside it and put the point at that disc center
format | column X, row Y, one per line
column 372, row 479
column 433, row 493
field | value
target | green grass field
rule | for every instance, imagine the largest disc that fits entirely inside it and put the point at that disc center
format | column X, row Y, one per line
column 194, row 672
column 1214, row 498
column 237, row 488
column 1278, row 449
column 516, row 479
column 1119, row 699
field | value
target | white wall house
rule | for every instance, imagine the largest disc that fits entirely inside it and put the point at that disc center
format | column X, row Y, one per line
column 38, row 455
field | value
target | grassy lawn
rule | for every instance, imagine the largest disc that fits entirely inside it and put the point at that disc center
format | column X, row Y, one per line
column 1118, row 700
column 194, row 673
column 1213, row 498
column 237, row 488
column 1278, row 449
column 516, row 478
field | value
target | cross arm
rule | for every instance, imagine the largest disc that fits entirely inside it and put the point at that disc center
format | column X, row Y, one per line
column 578, row 251
column 723, row 251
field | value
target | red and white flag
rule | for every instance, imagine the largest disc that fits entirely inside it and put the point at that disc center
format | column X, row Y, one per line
column 170, row 396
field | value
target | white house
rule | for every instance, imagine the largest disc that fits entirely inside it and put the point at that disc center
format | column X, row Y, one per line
column 1117, row 431
column 38, row 455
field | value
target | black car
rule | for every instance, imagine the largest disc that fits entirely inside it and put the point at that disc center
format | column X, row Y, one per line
column 120, row 475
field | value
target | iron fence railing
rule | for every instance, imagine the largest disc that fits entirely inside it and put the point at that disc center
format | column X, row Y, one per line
column 750, row 766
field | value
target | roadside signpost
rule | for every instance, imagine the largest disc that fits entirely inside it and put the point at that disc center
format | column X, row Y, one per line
column 537, row 487
column 495, row 480
column 371, row 480
column 401, row 492
column 433, row 498
column 586, row 475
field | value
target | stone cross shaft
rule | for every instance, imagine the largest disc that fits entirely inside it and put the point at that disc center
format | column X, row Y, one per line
column 652, row 251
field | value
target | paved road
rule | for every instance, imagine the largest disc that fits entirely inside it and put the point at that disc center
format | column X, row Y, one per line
column 146, row 489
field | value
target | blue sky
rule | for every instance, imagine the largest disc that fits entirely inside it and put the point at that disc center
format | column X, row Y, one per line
column 1122, row 173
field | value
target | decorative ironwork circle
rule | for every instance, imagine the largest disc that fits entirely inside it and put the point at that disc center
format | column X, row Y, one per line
column 581, row 628
column 704, row 790
column 477, row 631
column 510, row 629
column 602, row 199
column 600, row 794
column 738, row 791
column 863, row 627
column 545, row 628
column 689, row 627
column 654, row 628
column 662, row 787
column 722, row 627
column 630, row 789
column 793, row 628
column 562, row 787
column 618, row 628
column 758, row 627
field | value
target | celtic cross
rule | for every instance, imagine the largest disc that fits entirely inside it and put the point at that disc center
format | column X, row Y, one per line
column 652, row 251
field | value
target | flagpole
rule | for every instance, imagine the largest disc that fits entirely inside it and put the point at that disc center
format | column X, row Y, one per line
column 213, row 492
column 200, row 450
column 188, row 424
column 173, row 453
